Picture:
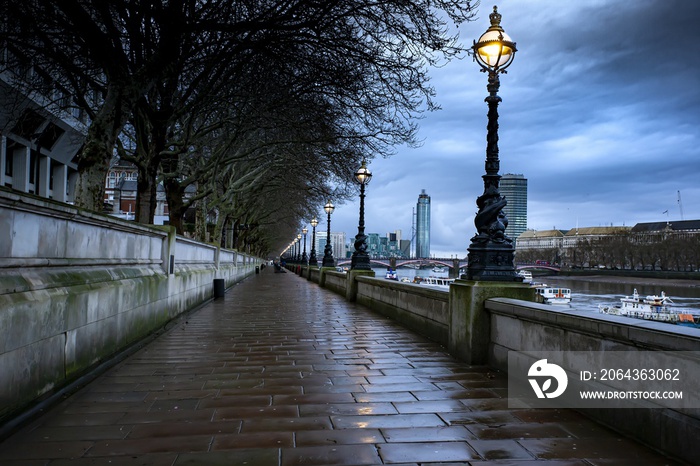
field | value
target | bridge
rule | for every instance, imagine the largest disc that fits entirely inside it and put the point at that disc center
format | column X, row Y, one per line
column 394, row 262
column 450, row 263
column 551, row 268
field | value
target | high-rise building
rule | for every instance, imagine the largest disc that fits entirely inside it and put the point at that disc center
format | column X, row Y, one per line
column 373, row 245
column 514, row 188
column 338, row 240
column 423, row 225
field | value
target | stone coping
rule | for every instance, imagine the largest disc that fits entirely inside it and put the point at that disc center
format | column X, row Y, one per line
column 640, row 333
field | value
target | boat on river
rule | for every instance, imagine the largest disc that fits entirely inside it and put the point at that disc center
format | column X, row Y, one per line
column 435, row 282
column 527, row 276
column 552, row 294
column 651, row 307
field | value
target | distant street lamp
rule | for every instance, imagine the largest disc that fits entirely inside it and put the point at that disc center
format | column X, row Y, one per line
column 360, row 258
column 491, row 252
column 328, row 260
column 313, row 261
column 303, row 256
column 298, row 258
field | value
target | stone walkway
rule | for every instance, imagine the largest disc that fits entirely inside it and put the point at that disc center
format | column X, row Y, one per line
column 281, row 372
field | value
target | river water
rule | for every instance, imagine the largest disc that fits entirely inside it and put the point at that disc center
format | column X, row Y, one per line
column 588, row 292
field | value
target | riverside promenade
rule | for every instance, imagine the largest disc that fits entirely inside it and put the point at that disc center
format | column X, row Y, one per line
column 282, row 372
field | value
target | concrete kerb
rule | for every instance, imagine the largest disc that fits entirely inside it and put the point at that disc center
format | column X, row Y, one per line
column 470, row 323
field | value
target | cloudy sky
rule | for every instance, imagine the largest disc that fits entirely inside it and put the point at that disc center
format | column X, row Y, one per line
column 600, row 112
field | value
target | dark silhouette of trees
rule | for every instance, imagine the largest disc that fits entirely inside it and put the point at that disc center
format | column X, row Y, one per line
column 239, row 99
column 626, row 250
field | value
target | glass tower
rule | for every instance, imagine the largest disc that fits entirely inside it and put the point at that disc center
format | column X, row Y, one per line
column 423, row 226
column 514, row 188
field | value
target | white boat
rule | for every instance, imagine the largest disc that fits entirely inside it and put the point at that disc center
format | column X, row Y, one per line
column 527, row 276
column 436, row 282
column 553, row 295
column 437, row 269
column 651, row 307
column 391, row 274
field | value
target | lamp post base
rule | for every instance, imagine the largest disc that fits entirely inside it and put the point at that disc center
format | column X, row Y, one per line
column 491, row 262
column 359, row 261
column 328, row 260
column 313, row 261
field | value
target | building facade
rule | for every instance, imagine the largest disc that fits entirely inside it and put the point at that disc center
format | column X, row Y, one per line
column 514, row 188
column 423, row 225
column 40, row 136
column 338, row 243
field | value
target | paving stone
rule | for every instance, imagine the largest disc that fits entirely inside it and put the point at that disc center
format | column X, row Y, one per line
column 589, row 448
column 427, row 434
column 295, row 424
column 500, row 449
column 436, row 406
column 339, row 437
column 242, row 457
column 425, row 452
column 331, row 455
column 396, row 420
column 253, row 440
column 519, row 430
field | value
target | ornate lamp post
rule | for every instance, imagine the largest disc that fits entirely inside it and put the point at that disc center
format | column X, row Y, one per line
column 304, row 231
column 313, row 261
column 360, row 258
column 328, row 260
column 298, row 258
column 491, row 252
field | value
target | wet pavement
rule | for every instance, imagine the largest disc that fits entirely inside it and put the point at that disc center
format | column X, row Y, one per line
column 282, row 372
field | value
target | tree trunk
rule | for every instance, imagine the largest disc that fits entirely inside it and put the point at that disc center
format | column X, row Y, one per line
column 97, row 151
column 176, row 205
column 146, row 195
column 201, row 221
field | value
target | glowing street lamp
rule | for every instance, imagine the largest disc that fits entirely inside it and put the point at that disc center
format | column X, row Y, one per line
column 304, row 231
column 328, row 260
column 360, row 258
column 491, row 252
column 298, row 257
column 313, row 261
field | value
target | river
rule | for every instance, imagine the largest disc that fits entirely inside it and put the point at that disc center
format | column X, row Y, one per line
column 588, row 292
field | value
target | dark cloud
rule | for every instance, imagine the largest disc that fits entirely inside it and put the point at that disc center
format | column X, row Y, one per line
column 599, row 112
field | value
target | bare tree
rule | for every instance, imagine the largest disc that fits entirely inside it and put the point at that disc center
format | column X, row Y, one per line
column 160, row 65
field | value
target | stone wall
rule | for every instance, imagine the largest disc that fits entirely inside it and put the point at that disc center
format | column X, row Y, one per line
column 423, row 309
column 529, row 327
column 334, row 281
column 78, row 287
